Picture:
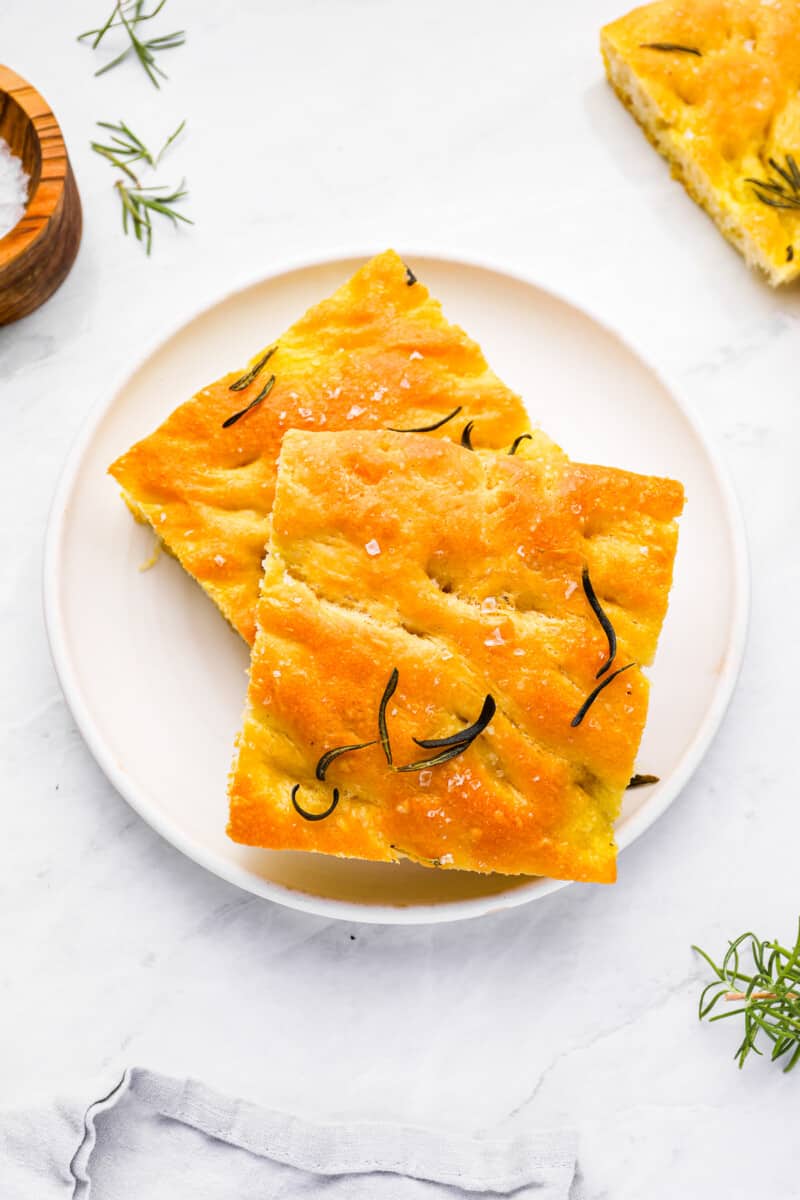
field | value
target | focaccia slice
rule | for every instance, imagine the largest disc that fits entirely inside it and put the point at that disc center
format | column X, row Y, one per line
column 716, row 86
column 463, row 571
column 378, row 353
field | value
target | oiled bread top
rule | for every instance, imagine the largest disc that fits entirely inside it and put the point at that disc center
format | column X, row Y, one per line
column 377, row 353
column 731, row 106
column 464, row 571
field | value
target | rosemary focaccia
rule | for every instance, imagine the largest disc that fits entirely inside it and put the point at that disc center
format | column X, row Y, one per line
column 469, row 628
column 377, row 353
column 715, row 85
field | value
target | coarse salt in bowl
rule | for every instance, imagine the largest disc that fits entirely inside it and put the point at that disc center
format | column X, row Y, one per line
column 13, row 189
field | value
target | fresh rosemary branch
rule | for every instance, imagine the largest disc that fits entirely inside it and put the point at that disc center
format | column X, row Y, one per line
column 130, row 15
column 783, row 192
column 139, row 203
column 770, row 995
column 126, row 148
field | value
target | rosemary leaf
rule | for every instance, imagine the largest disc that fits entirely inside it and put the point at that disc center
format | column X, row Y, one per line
column 309, row 816
column 783, row 192
column 466, row 436
column 590, row 699
column 248, row 377
column 416, row 858
column 331, row 755
column 464, row 735
column 607, row 627
column 262, row 395
column 670, row 47
column 456, row 743
column 388, row 692
column 638, row 781
column 515, row 445
column 428, row 428
column 437, row 760
column 410, row 276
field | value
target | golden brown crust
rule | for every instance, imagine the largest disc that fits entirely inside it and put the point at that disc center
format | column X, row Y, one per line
column 377, row 353
column 719, row 115
column 463, row 571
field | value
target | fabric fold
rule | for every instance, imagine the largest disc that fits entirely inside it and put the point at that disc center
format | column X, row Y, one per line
column 157, row 1136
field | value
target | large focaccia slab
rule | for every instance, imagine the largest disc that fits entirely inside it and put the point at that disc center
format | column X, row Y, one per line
column 377, row 353
column 715, row 84
column 464, row 572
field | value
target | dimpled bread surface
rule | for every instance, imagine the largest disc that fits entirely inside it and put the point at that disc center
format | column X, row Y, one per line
column 719, row 100
column 462, row 570
column 377, row 353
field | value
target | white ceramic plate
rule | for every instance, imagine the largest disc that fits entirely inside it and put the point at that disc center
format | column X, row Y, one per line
column 156, row 680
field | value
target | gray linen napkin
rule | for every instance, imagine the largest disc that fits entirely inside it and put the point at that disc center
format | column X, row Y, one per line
column 161, row 1138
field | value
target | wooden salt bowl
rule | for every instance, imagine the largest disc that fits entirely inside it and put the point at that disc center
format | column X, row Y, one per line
column 36, row 255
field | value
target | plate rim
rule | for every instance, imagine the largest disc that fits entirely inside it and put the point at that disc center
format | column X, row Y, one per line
column 347, row 910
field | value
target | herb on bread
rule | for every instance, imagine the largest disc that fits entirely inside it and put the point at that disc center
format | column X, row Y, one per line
column 607, row 627
column 466, row 436
column 262, row 395
column 240, row 384
column 783, row 192
column 590, row 699
column 309, row 816
column 428, row 428
column 670, row 48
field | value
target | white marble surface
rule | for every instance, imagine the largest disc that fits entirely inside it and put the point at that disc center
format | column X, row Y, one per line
column 484, row 129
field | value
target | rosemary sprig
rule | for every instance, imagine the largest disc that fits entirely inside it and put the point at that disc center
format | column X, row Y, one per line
column 466, row 436
column 590, row 699
column 517, row 442
column 638, row 781
column 240, row 384
column 262, row 395
column 428, row 428
column 771, row 995
column 140, row 203
column 129, row 15
column 774, row 194
column 309, row 816
column 127, row 148
column 670, row 47
column 607, row 627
